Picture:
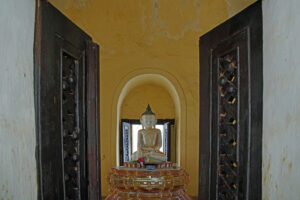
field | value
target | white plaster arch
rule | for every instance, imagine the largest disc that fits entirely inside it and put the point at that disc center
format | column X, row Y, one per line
column 164, row 79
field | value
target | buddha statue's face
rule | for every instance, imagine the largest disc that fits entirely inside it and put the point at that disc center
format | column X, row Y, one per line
column 148, row 121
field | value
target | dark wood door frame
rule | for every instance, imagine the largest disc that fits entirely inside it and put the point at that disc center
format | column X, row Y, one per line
column 93, row 121
column 91, row 102
column 242, row 33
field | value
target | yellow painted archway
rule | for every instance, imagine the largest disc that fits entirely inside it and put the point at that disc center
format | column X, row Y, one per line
column 165, row 80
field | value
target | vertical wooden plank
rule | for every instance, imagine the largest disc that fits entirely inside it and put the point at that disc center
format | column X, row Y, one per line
column 93, row 141
column 49, row 122
column 205, row 120
column 37, row 63
column 256, row 103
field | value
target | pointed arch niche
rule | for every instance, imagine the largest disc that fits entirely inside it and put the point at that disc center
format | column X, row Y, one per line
column 169, row 83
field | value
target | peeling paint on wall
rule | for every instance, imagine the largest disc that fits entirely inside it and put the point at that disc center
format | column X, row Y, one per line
column 18, row 178
column 281, row 118
column 81, row 3
column 235, row 6
column 175, row 29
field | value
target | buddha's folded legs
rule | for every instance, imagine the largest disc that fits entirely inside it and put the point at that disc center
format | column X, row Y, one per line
column 160, row 157
column 149, row 156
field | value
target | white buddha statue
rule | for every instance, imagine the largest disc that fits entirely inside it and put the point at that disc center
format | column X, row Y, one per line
column 149, row 140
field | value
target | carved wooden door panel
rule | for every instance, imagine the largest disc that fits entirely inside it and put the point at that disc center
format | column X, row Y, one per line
column 231, row 108
column 67, row 109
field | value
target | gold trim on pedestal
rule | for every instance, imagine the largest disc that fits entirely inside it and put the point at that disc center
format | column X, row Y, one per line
column 139, row 183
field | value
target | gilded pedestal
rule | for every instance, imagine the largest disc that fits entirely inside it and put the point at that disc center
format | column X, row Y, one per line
column 140, row 183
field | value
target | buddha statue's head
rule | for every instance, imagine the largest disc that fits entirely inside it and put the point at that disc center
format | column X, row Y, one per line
column 148, row 119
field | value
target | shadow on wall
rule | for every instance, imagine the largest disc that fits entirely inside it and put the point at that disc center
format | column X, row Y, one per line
column 137, row 99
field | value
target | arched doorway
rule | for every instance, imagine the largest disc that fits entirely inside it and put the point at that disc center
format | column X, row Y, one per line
column 133, row 105
column 169, row 84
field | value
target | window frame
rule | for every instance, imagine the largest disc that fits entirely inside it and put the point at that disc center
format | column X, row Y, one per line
column 137, row 122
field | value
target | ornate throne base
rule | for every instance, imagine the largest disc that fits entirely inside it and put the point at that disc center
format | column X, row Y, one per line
column 140, row 183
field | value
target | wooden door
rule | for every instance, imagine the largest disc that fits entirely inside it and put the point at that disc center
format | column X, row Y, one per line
column 230, row 160
column 66, row 90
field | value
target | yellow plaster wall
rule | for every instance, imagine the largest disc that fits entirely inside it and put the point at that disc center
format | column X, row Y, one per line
column 151, row 34
column 138, row 98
